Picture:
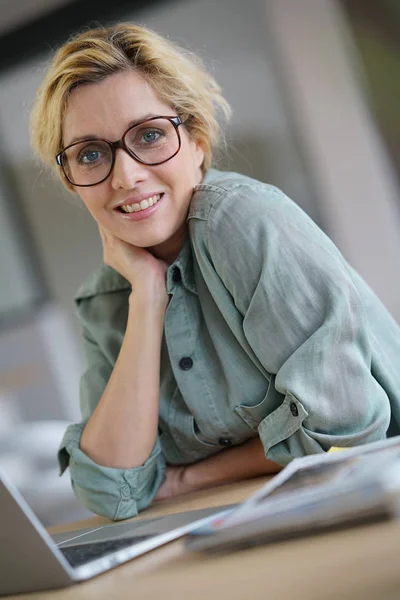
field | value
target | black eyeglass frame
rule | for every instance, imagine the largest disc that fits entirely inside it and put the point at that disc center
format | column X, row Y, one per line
column 176, row 121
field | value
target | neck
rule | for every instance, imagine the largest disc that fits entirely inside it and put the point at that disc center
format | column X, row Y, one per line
column 169, row 251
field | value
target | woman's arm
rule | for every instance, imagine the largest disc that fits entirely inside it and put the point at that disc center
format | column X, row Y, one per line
column 227, row 466
column 112, row 492
column 308, row 319
column 122, row 430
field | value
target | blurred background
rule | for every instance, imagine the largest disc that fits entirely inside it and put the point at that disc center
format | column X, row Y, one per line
column 315, row 91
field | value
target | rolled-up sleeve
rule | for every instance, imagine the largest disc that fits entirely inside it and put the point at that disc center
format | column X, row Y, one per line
column 110, row 492
column 305, row 321
column 113, row 493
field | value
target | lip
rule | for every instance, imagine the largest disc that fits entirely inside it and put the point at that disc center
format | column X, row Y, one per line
column 137, row 199
column 143, row 214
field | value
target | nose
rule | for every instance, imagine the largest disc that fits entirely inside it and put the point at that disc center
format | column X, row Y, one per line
column 127, row 171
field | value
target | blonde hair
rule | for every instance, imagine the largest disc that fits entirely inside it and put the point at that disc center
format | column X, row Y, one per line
column 176, row 75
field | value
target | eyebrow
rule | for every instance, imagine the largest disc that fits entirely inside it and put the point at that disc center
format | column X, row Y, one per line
column 93, row 136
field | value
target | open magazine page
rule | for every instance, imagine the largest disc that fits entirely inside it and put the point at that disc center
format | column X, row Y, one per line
column 319, row 473
column 335, row 486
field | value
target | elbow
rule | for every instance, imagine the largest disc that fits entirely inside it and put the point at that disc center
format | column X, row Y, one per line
column 116, row 493
column 114, row 505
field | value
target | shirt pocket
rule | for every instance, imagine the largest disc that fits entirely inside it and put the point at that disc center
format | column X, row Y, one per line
column 275, row 418
column 253, row 414
column 199, row 446
column 198, row 436
column 185, row 447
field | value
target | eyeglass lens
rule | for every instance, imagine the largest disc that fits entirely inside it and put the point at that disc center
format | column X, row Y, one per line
column 89, row 162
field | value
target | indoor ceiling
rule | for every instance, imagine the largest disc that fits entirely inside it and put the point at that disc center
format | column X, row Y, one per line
column 18, row 13
column 30, row 27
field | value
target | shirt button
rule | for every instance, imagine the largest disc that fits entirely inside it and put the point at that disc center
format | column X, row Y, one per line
column 176, row 275
column 293, row 409
column 225, row 442
column 186, row 363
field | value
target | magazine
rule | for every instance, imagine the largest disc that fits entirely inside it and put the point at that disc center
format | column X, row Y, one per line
column 312, row 494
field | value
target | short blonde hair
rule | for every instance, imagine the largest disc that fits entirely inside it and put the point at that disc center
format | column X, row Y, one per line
column 177, row 76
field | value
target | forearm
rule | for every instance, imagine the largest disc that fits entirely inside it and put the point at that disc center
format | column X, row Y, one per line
column 233, row 464
column 122, row 430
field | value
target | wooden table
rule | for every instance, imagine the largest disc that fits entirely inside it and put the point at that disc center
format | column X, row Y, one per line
column 358, row 563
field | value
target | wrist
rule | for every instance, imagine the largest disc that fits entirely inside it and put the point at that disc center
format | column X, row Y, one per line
column 148, row 300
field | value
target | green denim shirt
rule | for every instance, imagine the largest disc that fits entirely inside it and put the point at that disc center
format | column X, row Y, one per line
column 269, row 332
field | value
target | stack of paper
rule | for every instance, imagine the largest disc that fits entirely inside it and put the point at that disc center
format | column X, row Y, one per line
column 312, row 494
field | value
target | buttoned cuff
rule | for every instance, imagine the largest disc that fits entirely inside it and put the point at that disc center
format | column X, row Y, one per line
column 113, row 493
column 282, row 433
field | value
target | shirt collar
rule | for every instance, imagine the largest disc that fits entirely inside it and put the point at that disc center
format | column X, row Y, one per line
column 184, row 263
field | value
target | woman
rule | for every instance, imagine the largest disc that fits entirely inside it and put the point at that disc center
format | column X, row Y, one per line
column 226, row 334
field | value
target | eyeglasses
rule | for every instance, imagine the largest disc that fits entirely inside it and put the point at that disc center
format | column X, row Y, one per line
column 151, row 142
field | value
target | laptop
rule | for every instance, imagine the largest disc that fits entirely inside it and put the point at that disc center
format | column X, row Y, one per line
column 32, row 560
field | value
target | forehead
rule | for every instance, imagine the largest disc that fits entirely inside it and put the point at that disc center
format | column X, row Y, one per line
column 105, row 109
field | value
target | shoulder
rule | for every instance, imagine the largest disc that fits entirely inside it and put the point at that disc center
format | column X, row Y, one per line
column 226, row 199
column 226, row 181
column 103, row 280
column 233, row 203
column 235, row 214
column 229, row 187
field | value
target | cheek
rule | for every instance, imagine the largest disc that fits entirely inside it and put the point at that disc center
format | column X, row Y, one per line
column 91, row 201
column 192, row 160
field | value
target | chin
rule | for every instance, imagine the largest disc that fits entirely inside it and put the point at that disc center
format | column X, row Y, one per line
column 147, row 242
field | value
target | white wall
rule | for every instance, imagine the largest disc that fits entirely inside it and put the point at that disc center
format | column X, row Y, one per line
column 355, row 181
column 18, row 285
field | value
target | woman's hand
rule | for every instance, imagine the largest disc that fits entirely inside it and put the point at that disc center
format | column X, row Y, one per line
column 144, row 271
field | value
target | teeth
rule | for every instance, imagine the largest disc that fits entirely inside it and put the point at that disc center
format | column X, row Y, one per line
column 138, row 206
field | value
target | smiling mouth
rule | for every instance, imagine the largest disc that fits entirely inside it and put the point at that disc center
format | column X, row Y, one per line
column 139, row 206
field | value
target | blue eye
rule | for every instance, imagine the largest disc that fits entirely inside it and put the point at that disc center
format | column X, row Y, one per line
column 151, row 136
column 90, row 157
